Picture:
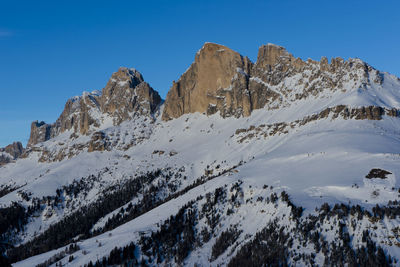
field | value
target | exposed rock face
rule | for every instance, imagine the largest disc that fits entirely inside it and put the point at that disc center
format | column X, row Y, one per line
column 279, row 79
column 78, row 114
column 15, row 149
column 125, row 96
column 341, row 111
column 269, row 55
column 222, row 80
column 219, row 80
column 98, row 142
column 216, row 81
column 126, row 93
column 40, row 132
column 11, row 152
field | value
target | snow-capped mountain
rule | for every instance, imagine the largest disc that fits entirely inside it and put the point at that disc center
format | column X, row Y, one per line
column 277, row 162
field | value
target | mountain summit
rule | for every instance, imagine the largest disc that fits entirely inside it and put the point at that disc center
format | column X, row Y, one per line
column 221, row 80
column 125, row 96
column 216, row 81
column 278, row 162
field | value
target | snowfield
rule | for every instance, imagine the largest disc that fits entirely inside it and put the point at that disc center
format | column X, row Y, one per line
column 323, row 161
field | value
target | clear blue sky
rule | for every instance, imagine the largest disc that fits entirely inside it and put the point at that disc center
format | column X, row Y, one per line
column 50, row 51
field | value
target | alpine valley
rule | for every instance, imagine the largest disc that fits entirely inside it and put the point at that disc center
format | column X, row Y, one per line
column 281, row 162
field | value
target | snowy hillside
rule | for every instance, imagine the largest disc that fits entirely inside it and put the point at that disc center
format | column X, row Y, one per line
column 311, row 178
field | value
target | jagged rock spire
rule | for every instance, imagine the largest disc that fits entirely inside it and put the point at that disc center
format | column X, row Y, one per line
column 222, row 80
column 11, row 152
column 216, row 81
column 125, row 96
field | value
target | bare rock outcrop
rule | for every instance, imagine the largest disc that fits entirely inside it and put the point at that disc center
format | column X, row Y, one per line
column 11, row 152
column 78, row 114
column 125, row 96
column 216, row 81
column 332, row 113
column 126, row 93
column 98, row 142
column 40, row 132
column 15, row 149
column 279, row 79
column 221, row 80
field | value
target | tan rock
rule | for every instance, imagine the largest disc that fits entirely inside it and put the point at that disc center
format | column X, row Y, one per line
column 40, row 132
column 221, row 80
column 76, row 113
column 324, row 65
column 15, row 149
column 216, row 81
column 11, row 152
column 98, row 142
column 270, row 55
column 125, row 93
column 125, row 96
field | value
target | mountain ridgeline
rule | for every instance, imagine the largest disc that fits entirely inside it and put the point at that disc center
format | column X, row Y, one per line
column 219, row 80
column 126, row 95
column 278, row 162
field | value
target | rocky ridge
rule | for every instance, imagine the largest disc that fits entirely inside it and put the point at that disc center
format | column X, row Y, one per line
column 203, row 190
column 125, row 96
column 222, row 80
column 216, row 81
column 11, row 152
column 341, row 111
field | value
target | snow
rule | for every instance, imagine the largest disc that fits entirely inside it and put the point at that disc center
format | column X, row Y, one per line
column 258, row 80
column 241, row 71
column 122, row 83
column 271, row 44
column 322, row 161
column 93, row 93
column 5, row 155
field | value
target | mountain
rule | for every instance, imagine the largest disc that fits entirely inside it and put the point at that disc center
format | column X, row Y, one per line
column 125, row 96
column 11, row 152
column 278, row 162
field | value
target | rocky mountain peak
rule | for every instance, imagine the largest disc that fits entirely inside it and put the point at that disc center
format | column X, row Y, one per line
column 222, row 80
column 270, row 54
column 124, row 76
column 11, row 152
column 273, row 57
column 125, row 96
column 216, row 81
column 40, row 132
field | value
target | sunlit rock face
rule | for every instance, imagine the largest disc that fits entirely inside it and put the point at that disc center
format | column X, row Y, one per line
column 222, row 80
column 216, row 81
column 125, row 96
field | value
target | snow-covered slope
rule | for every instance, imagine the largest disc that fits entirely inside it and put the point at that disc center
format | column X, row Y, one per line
column 225, row 185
